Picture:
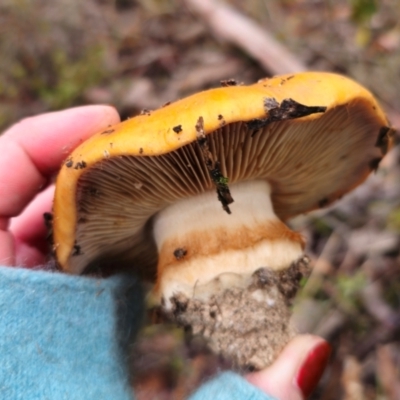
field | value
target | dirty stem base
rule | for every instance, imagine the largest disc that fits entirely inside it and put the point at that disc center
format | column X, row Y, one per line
column 248, row 325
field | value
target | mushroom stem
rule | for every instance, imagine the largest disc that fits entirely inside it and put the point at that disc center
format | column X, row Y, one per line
column 198, row 242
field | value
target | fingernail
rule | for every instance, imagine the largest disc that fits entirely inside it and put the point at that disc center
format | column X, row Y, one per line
column 313, row 367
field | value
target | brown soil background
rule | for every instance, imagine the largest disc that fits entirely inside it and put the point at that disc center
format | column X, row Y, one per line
column 140, row 54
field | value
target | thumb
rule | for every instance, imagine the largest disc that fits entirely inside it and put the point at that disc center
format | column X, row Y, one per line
column 296, row 372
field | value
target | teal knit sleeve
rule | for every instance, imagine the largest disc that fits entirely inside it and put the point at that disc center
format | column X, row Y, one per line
column 62, row 337
column 66, row 337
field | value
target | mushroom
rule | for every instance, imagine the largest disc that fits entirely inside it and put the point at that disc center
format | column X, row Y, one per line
column 193, row 196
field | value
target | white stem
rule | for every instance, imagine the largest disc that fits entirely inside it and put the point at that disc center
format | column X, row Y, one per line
column 198, row 241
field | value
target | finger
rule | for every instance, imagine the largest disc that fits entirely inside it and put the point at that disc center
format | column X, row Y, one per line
column 33, row 150
column 297, row 370
column 7, row 249
column 30, row 232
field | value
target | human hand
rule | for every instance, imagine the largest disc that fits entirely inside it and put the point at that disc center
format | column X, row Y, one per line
column 31, row 154
column 296, row 372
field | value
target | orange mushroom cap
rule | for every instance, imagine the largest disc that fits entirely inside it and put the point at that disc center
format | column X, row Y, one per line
column 112, row 185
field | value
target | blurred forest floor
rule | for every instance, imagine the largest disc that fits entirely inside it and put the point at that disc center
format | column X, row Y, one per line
column 140, row 54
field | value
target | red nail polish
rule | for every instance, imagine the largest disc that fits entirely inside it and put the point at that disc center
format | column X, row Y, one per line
column 313, row 368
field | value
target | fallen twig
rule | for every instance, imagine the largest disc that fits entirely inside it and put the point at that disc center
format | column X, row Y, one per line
column 228, row 24
column 387, row 372
column 351, row 380
column 377, row 307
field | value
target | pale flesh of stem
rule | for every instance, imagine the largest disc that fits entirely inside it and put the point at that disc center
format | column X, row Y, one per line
column 198, row 242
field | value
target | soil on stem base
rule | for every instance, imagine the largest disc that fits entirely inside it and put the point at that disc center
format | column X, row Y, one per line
column 247, row 324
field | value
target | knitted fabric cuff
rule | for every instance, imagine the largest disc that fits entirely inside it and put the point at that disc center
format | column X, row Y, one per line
column 65, row 337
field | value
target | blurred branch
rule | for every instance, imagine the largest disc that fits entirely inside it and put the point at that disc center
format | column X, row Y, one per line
column 377, row 307
column 380, row 335
column 388, row 372
column 351, row 380
column 228, row 24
